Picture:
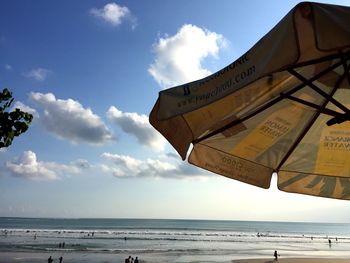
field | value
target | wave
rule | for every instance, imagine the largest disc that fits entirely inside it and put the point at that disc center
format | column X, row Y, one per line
column 82, row 248
column 146, row 235
column 3, row 231
column 174, row 224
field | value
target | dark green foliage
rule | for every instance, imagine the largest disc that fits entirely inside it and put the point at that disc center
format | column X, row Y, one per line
column 12, row 123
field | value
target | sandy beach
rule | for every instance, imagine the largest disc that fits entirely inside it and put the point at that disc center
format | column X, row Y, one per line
column 28, row 257
column 294, row 260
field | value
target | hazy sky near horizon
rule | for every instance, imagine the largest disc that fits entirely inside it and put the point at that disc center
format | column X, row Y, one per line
column 90, row 72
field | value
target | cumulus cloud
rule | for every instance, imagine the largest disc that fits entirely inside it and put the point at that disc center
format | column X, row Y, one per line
column 178, row 58
column 25, row 108
column 27, row 166
column 172, row 155
column 114, row 14
column 127, row 166
column 68, row 119
column 81, row 163
column 39, row 74
column 138, row 126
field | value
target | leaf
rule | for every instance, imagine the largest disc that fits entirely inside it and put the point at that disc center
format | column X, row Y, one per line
column 12, row 123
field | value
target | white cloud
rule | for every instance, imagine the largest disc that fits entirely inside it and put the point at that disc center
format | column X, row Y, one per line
column 114, row 14
column 8, row 67
column 68, row 119
column 27, row 166
column 138, row 126
column 126, row 166
column 39, row 74
column 25, row 108
column 84, row 164
column 172, row 155
column 178, row 58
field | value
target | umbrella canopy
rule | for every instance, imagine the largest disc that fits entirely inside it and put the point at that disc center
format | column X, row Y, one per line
column 281, row 107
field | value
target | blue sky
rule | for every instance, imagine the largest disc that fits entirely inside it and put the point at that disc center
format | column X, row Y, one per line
column 90, row 72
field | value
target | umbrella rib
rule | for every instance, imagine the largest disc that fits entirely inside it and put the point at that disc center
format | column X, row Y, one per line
column 319, row 91
column 311, row 105
column 345, row 65
column 267, row 105
column 312, row 121
column 235, row 122
column 320, row 60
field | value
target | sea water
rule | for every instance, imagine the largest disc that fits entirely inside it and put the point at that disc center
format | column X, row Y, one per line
column 157, row 240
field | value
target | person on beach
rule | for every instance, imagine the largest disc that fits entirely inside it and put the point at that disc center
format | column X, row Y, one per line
column 136, row 260
column 49, row 260
column 61, row 259
column 275, row 255
column 128, row 260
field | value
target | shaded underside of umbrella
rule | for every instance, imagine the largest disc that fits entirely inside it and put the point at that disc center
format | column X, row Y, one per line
column 281, row 107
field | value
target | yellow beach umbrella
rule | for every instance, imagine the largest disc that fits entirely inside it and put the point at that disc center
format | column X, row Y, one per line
column 281, row 107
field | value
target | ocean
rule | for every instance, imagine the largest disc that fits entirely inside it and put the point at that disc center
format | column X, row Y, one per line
column 161, row 240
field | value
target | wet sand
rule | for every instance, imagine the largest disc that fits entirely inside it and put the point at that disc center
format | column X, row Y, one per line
column 28, row 257
column 294, row 260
